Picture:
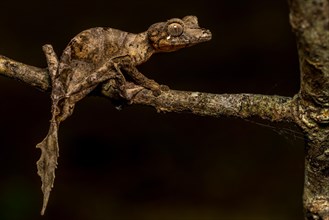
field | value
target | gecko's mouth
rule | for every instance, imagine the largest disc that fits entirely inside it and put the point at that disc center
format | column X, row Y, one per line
column 190, row 37
column 197, row 36
column 205, row 36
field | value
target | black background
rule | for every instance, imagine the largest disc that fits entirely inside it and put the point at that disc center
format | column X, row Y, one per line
column 136, row 163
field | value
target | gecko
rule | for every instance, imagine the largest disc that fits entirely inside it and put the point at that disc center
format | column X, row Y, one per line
column 97, row 55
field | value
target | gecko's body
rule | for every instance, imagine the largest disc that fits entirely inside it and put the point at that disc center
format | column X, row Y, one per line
column 100, row 54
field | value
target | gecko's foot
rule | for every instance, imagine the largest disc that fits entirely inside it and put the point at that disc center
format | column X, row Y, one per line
column 159, row 89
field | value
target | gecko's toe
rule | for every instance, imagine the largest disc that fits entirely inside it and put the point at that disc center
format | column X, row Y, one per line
column 164, row 88
column 156, row 92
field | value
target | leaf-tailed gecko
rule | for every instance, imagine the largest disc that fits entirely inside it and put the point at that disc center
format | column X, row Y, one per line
column 100, row 54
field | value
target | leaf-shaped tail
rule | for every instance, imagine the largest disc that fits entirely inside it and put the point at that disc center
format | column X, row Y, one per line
column 48, row 162
column 49, row 146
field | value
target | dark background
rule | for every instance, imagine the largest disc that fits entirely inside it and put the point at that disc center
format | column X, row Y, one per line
column 136, row 163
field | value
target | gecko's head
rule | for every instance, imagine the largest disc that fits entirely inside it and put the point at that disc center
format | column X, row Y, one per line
column 176, row 34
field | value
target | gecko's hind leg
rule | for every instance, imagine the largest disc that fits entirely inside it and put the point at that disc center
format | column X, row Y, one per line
column 109, row 71
column 52, row 61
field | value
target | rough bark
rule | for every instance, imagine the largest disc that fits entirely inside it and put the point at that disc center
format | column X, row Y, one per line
column 271, row 108
column 310, row 22
column 34, row 76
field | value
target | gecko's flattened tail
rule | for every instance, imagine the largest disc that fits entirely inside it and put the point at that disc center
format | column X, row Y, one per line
column 47, row 163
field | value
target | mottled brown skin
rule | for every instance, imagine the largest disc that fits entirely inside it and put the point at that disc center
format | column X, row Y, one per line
column 100, row 54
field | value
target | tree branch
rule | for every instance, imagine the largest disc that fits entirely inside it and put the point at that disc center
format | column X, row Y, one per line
column 272, row 108
column 310, row 21
column 34, row 76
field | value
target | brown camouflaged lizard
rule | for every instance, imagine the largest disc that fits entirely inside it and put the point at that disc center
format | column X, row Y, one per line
column 100, row 54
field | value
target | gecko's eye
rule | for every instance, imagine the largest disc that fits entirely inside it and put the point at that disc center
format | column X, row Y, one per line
column 175, row 29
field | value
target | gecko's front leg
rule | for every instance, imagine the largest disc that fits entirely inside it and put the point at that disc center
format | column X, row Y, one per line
column 142, row 80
